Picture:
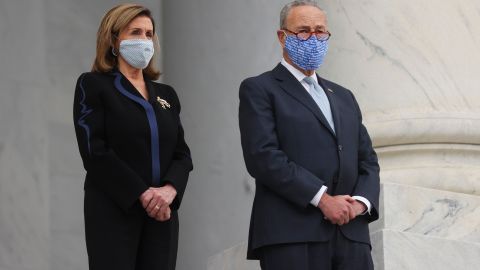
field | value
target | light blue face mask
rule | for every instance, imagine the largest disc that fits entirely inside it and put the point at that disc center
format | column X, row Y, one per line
column 307, row 54
column 137, row 52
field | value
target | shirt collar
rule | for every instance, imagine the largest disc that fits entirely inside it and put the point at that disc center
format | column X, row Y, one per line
column 297, row 73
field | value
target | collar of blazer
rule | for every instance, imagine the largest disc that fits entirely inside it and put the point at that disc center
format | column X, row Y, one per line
column 294, row 88
column 130, row 88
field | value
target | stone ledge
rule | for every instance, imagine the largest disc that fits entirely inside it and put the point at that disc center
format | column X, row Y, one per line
column 408, row 251
column 435, row 166
column 429, row 212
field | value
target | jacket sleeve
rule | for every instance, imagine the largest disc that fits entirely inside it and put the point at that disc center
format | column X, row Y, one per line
column 107, row 172
column 368, row 182
column 181, row 165
column 264, row 159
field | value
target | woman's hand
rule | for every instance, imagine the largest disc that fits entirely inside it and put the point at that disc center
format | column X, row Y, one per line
column 163, row 214
column 156, row 201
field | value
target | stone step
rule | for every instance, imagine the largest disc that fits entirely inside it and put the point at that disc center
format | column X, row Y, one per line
column 393, row 250
column 429, row 212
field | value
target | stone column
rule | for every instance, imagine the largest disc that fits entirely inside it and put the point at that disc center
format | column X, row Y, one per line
column 24, row 183
column 414, row 69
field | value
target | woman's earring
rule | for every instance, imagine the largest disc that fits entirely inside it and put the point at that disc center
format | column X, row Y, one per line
column 113, row 52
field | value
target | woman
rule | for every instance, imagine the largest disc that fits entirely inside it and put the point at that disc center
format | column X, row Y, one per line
column 133, row 149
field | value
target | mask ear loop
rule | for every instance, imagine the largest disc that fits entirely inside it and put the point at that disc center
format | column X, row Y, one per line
column 284, row 33
column 285, row 36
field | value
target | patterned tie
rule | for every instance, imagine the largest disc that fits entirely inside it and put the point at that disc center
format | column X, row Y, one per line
column 321, row 99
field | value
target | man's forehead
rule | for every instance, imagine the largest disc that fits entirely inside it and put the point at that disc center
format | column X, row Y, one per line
column 306, row 16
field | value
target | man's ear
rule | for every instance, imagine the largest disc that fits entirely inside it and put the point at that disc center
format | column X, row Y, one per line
column 281, row 35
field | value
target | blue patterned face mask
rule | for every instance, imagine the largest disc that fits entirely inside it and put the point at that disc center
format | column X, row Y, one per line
column 137, row 52
column 307, row 54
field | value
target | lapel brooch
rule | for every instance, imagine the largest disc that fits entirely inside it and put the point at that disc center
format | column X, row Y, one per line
column 330, row 90
column 163, row 103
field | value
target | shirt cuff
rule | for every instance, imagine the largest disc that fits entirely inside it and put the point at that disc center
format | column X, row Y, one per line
column 364, row 201
column 318, row 196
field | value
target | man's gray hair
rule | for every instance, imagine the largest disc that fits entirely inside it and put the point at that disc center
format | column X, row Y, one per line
column 297, row 3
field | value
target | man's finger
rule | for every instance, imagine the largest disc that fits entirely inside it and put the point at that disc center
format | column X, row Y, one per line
column 350, row 199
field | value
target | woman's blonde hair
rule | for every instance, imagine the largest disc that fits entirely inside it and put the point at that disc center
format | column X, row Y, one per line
column 115, row 21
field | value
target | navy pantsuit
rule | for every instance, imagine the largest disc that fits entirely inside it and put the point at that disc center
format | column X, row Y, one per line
column 127, row 145
column 291, row 151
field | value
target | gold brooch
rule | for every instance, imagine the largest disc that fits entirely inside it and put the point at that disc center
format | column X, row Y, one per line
column 163, row 103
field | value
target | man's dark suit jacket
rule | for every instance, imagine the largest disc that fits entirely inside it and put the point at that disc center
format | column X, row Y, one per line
column 291, row 152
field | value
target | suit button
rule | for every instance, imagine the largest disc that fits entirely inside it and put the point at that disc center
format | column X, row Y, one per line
column 340, row 148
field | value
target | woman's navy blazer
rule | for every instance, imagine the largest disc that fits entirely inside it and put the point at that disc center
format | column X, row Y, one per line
column 127, row 143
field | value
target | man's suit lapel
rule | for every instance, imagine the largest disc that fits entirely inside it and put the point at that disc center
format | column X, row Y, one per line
column 295, row 89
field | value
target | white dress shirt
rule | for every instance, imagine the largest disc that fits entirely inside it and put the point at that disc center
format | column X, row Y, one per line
column 300, row 77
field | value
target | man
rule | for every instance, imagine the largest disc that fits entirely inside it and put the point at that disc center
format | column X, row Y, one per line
column 316, row 173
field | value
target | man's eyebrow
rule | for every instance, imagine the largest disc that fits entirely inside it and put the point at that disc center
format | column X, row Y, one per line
column 303, row 27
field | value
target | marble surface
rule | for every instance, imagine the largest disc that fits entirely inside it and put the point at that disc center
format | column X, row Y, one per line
column 429, row 212
column 450, row 167
column 395, row 250
column 415, row 81
column 420, row 127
